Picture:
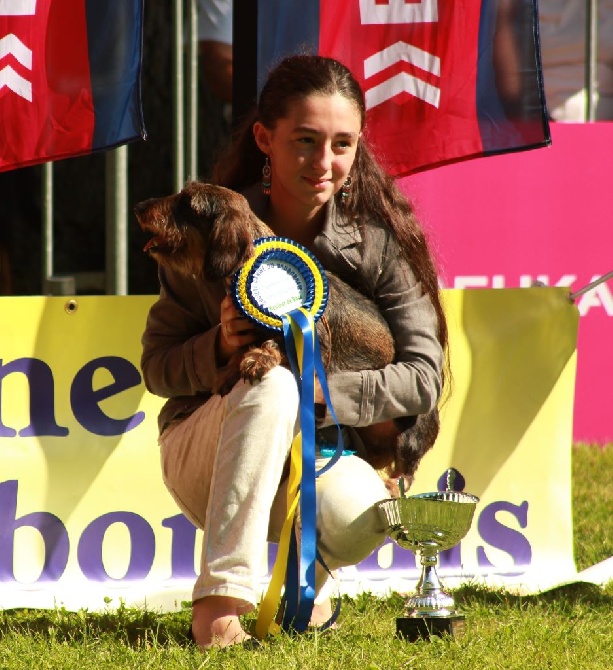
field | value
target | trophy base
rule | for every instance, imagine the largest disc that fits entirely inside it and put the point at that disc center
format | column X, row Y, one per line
column 422, row 628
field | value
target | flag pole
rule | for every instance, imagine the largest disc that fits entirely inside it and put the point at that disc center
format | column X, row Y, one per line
column 52, row 284
column 590, row 286
column 116, row 208
column 178, row 92
column 192, row 90
column 591, row 59
column 47, row 215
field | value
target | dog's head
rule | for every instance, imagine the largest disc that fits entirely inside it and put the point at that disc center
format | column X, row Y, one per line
column 202, row 230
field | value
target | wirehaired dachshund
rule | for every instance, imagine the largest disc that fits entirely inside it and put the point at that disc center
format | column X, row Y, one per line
column 206, row 230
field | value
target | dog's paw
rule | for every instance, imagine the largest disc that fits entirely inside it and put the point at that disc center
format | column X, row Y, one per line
column 227, row 385
column 259, row 360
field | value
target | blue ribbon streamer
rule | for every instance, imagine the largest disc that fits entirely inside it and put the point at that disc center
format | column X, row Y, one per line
column 300, row 575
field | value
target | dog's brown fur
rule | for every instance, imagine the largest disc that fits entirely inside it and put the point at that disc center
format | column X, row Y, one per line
column 209, row 230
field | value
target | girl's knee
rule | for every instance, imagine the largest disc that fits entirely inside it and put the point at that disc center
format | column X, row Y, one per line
column 281, row 383
column 351, row 480
column 349, row 523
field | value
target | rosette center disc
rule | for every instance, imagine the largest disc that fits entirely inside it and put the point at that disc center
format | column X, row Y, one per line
column 278, row 287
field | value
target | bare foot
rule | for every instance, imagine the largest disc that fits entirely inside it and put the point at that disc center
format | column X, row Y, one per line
column 321, row 613
column 215, row 622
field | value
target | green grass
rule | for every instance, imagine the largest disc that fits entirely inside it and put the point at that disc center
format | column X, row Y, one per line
column 567, row 628
column 592, row 504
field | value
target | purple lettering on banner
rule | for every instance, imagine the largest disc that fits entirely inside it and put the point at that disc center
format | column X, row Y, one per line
column 403, row 560
column 502, row 537
column 142, row 541
column 183, row 544
column 84, row 400
column 42, row 397
column 451, row 558
column 52, row 530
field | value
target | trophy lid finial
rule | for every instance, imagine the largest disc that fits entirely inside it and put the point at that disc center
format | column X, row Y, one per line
column 451, row 479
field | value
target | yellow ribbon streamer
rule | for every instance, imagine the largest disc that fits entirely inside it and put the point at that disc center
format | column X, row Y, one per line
column 265, row 624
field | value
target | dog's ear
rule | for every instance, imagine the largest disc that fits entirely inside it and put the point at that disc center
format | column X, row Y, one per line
column 197, row 197
column 230, row 246
column 228, row 217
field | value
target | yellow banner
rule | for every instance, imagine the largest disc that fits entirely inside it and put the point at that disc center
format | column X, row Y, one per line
column 85, row 519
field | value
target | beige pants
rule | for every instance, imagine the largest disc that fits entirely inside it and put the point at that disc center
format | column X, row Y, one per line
column 224, row 464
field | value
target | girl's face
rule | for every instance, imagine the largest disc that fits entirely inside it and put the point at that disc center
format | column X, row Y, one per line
column 311, row 150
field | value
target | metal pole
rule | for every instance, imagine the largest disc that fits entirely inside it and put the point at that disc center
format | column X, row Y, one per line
column 116, row 181
column 591, row 285
column 192, row 93
column 51, row 284
column 591, row 59
column 47, row 220
column 179, row 131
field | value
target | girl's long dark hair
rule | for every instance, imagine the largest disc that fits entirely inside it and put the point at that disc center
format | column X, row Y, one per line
column 374, row 193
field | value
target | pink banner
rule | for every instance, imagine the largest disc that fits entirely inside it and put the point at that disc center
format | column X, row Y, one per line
column 537, row 216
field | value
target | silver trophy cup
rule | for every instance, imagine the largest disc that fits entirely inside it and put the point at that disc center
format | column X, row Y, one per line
column 426, row 524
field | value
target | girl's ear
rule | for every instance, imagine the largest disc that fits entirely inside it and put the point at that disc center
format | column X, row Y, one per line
column 262, row 137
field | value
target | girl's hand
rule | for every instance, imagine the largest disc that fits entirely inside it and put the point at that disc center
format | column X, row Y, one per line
column 235, row 333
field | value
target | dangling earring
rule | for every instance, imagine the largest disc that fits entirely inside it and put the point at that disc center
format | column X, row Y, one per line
column 266, row 172
column 346, row 188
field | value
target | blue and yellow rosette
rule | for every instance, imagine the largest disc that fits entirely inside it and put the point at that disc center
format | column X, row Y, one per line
column 281, row 276
column 284, row 288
